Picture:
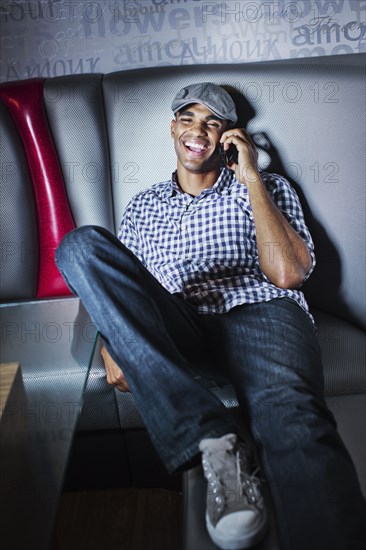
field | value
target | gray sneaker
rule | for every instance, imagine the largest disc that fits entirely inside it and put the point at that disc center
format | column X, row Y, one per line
column 235, row 513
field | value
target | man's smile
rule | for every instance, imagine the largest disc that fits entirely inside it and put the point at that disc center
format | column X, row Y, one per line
column 197, row 148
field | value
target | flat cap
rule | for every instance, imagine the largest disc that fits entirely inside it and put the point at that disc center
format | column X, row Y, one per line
column 211, row 95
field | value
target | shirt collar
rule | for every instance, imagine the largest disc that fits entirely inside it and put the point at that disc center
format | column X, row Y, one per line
column 224, row 180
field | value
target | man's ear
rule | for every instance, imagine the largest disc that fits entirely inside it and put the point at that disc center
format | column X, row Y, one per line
column 172, row 127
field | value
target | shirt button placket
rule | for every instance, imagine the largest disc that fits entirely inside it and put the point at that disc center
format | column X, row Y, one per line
column 185, row 229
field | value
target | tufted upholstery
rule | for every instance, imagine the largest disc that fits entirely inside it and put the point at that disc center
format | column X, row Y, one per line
column 100, row 139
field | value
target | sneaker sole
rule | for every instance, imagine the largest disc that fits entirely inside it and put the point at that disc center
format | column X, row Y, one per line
column 247, row 540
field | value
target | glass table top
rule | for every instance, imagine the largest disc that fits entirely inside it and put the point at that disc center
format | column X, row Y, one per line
column 53, row 340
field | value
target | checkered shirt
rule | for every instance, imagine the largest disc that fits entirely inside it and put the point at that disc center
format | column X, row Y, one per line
column 204, row 248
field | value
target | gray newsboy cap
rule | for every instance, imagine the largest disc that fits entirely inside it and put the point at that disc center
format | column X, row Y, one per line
column 211, row 95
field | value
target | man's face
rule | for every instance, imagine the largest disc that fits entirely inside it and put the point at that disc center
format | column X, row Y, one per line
column 196, row 133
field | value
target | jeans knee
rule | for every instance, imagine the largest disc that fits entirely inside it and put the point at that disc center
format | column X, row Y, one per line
column 76, row 245
column 89, row 246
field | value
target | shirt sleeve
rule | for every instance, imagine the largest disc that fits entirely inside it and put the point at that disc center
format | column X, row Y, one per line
column 287, row 201
column 127, row 232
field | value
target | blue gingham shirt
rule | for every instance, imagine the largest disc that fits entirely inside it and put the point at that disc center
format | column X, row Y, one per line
column 204, row 248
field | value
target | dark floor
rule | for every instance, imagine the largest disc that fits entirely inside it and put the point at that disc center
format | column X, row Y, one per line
column 119, row 519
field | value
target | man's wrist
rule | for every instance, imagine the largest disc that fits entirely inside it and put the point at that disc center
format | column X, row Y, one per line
column 249, row 175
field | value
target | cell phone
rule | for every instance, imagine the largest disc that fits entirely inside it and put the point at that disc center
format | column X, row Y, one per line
column 229, row 156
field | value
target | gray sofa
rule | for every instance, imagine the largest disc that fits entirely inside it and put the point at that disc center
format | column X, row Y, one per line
column 111, row 139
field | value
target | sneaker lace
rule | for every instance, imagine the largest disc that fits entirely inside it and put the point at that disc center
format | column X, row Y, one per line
column 249, row 484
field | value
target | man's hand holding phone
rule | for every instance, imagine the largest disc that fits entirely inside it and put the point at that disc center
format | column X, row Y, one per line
column 244, row 161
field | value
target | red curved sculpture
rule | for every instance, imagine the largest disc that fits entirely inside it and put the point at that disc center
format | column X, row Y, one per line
column 25, row 103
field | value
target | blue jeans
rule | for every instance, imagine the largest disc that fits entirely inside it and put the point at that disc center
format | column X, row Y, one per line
column 269, row 351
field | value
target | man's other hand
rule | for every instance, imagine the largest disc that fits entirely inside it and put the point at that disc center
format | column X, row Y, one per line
column 115, row 376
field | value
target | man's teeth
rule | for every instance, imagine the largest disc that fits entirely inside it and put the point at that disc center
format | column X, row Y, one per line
column 195, row 146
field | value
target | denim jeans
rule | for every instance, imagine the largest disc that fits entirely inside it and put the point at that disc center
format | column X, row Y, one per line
column 268, row 351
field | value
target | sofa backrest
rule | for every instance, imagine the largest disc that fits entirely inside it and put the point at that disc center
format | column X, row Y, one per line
column 112, row 137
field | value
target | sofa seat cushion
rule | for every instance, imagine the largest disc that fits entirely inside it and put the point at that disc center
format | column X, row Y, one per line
column 343, row 348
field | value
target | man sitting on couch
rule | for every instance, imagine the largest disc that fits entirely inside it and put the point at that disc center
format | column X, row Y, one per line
column 203, row 281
